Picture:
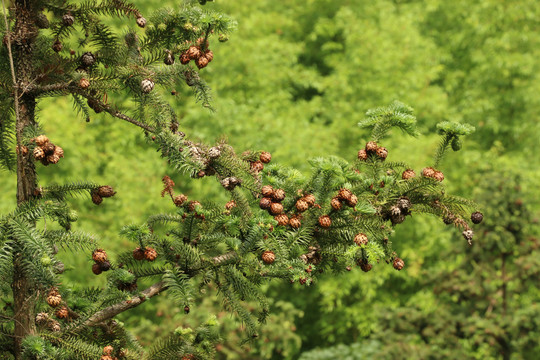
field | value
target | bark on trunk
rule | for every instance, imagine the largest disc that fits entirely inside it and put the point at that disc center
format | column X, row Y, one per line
column 22, row 39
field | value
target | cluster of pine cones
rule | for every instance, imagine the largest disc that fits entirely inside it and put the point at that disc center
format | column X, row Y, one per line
column 46, row 151
column 102, row 192
column 372, row 149
column 199, row 53
column 100, row 261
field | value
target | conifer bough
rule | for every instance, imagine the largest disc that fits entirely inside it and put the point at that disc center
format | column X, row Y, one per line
column 234, row 247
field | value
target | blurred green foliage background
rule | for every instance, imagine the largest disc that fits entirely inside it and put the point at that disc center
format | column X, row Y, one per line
column 294, row 79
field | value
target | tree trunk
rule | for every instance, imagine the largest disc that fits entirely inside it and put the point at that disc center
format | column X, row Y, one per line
column 22, row 41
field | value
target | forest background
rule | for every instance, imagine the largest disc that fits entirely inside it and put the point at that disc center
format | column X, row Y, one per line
column 295, row 79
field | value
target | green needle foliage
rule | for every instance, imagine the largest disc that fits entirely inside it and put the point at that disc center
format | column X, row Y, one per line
column 279, row 222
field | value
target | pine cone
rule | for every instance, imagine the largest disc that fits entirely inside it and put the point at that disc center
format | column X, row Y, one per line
column 439, row 176
column 38, row 153
column 169, row 59
column 265, row 203
column 150, row 254
column 336, row 204
column 68, row 19
column 231, row 204
column 382, row 152
column 468, row 235
column 106, row 191
column 209, row 55
column 361, row 239
column 201, row 62
column 310, row 199
column 477, row 217
column 53, row 159
column 371, row 147
column 54, row 299
column 48, row 148
column 88, row 59
column 276, row 208
column 265, row 157
column 141, row 21
column 57, row 46
column 344, row 194
column 404, row 203
column 99, row 255
column 138, row 254
column 257, row 166
column 278, row 195
column 282, row 219
column 428, row 172
column 395, row 211
column 364, row 265
column 325, row 221
column 193, row 205
column 58, row 151
column 105, row 265
column 84, row 83
column 268, row 257
column 96, row 199
column 408, row 174
column 352, row 201
column 179, row 199
column 302, row 205
column 41, row 140
column 214, row 152
column 107, row 350
column 147, row 85
column 184, row 58
column 267, row 190
column 295, row 222
column 62, row 313
column 42, row 318
column 362, row 155
column 54, row 326
column 397, row 219
column 398, row 263
column 194, row 52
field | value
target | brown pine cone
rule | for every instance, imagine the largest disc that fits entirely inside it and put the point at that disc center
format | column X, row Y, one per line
column 96, row 199
column 179, row 199
column 408, row 174
column 265, row 203
column 141, row 21
column 265, row 157
column 336, row 204
column 150, row 254
column 295, row 222
column 194, row 52
column 54, row 300
column 439, row 176
column 344, row 194
column 382, row 152
column 278, row 195
column 276, row 208
column 428, row 172
column 107, row 350
column 42, row 318
column 310, row 199
column 58, row 151
column 325, row 221
column 267, row 190
column 361, row 239
column 365, row 266
column 371, row 147
column 138, row 254
column 106, row 191
column 62, row 313
column 268, row 257
column 257, row 166
column 229, row 205
column 84, row 83
column 477, row 217
column 209, row 55
column 201, row 62
column 352, row 201
column 41, row 140
column 398, row 263
column 362, row 155
column 282, row 219
column 38, row 153
column 99, row 255
column 53, row 159
column 48, row 148
column 302, row 205
column 184, row 58
column 193, row 204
